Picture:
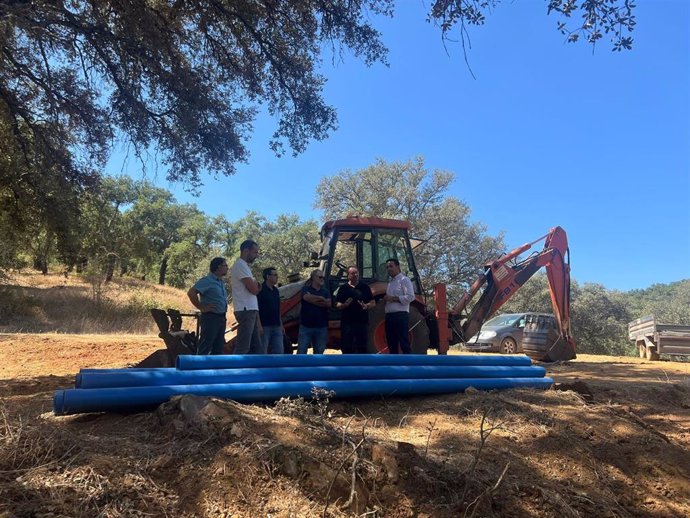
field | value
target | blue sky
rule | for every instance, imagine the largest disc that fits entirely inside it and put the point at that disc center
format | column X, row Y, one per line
column 547, row 134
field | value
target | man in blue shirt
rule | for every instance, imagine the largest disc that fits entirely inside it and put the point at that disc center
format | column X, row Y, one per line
column 210, row 297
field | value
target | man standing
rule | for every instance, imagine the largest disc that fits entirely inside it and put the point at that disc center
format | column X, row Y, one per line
column 210, row 297
column 269, row 313
column 313, row 325
column 354, row 299
column 398, row 296
column 244, row 301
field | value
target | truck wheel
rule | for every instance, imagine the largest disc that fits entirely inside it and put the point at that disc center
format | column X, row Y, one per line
column 652, row 355
column 508, row 346
column 419, row 331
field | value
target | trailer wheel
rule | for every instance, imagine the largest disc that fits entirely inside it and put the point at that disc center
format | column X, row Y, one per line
column 652, row 355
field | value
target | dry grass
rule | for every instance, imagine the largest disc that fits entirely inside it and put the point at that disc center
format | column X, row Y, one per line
column 35, row 303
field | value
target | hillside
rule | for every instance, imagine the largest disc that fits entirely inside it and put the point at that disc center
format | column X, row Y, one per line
column 35, row 303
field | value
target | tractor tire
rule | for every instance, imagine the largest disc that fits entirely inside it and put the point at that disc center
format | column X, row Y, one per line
column 419, row 331
column 508, row 346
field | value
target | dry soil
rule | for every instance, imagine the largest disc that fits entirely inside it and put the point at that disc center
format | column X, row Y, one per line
column 612, row 439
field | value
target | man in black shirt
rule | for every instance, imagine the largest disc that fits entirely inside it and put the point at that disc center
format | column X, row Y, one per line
column 354, row 301
column 269, row 313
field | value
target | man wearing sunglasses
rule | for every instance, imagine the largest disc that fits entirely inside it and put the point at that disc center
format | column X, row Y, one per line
column 313, row 327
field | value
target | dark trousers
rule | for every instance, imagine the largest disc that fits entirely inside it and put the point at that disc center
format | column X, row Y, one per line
column 354, row 338
column 212, row 330
column 397, row 326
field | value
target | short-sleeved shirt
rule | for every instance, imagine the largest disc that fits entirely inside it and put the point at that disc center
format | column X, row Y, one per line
column 269, row 306
column 242, row 298
column 310, row 314
column 354, row 313
column 213, row 291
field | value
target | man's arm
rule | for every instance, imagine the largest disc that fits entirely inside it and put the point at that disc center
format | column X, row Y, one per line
column 193, row 295
column 317, row 300
column 252, row 286
column 408, row 291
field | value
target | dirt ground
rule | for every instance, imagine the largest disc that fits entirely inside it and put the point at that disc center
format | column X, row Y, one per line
column 613, row 440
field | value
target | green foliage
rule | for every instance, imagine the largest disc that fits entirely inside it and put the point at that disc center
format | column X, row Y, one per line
column 533, row 296
column 283, row 244
column 600, row 321
column 669, row 303
column 454, row 248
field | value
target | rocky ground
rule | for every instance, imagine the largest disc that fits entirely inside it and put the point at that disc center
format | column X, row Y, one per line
column 611, row 440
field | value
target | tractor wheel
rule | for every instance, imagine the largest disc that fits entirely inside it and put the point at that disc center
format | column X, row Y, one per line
column 508, row 346
column 419, row 331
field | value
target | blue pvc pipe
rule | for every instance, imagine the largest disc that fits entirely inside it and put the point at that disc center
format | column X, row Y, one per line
column 189, row 362
column 129, row 369
column 74, row 401
column 111, row 379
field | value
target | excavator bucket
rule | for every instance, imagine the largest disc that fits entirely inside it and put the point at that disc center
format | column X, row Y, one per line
column 542, row 341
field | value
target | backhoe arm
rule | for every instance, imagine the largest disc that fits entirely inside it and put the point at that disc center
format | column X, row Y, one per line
column 501, row 280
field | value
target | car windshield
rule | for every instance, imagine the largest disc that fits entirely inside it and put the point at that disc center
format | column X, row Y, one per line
column 503, row 320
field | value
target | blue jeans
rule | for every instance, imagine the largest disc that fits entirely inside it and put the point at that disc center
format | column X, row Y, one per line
column 314, row 336
column 273, row 339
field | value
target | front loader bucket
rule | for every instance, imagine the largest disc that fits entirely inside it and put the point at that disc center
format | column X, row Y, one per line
column 159, row 358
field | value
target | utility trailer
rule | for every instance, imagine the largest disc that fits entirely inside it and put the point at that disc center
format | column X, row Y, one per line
column 653, row 338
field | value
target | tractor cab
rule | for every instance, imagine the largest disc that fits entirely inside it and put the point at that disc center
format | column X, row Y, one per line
column 366, row 243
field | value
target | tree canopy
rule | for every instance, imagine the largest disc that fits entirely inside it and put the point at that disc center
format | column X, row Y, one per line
column 182, row 80
column 454, row 249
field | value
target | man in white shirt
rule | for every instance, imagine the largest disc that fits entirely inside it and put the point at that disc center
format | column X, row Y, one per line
column 244, row 301
column 399, row 294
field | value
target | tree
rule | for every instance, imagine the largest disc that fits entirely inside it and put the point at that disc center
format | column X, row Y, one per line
column 599, row 321
column 533, row 296
column 156, row 221
column 454, row 250
column 284, row 243
column 184, row 77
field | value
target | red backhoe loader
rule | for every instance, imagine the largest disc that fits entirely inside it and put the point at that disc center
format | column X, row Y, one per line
column 368, row 242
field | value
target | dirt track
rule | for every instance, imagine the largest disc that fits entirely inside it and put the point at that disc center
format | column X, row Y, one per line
column 616, row 447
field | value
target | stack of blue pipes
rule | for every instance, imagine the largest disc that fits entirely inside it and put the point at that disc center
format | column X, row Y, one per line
column 257, row 378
